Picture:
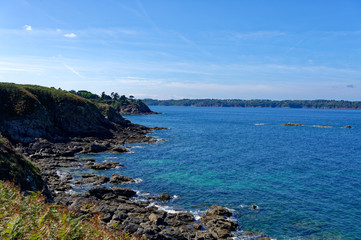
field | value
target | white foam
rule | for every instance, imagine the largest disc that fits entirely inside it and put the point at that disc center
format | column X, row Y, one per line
column 138, row 147
column 164, row 208
column 70, row 191
column 175, row 197
column 197, row 214
column 259, row 124
column 62, row 175
column 138, row 180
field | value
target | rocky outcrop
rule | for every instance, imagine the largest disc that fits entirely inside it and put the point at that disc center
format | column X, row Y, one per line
column 135, row 108
column 291, row 124
column 93, row 179
column 50, row 127
column 162, row 197
column 29, row 112
column 215, row 220
column 117, row 178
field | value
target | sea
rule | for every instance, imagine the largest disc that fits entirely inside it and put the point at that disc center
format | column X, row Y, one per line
column 305, row 180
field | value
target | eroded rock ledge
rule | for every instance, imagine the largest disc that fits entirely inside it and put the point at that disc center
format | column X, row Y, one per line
column 117, row 209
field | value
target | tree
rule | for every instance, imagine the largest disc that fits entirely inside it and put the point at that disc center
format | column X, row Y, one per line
column 116, row 96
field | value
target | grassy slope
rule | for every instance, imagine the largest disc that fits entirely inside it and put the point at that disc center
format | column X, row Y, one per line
column 15, row 167
column 29, row 217
column 29, row 111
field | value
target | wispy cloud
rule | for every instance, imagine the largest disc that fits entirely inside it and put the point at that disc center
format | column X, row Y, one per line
column 27, row 27
column 70, row 35
column 255, row 35
column 72, row 70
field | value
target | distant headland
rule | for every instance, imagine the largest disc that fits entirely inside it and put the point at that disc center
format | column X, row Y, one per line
column 257, row 103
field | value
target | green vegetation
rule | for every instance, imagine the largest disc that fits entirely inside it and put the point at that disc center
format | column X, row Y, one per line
column 329, row 104
column 29, row 217
column 121, row 104
column 17, row 100
column 15, row 167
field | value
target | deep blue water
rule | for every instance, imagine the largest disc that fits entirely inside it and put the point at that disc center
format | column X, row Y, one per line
column 306, row 180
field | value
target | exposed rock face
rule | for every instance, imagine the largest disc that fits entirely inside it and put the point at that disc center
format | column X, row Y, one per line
column 215, row 220
column 117, row 178
column 92, row 178
column 110, row 193
column 137, row 107
column 29, row 112
column 50, row 127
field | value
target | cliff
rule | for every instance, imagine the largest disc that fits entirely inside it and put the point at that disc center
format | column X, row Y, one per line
column 28, row 112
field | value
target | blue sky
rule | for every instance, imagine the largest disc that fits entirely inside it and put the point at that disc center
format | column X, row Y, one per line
column 184, row 48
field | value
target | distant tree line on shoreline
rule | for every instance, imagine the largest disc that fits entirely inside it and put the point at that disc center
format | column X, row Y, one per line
column 261, row 103
column 123, row 104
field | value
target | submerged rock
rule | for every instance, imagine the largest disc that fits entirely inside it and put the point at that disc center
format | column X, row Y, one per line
column 163, row 197
column 292, row 124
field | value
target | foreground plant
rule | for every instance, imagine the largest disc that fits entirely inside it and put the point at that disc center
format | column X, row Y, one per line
column 29, row 217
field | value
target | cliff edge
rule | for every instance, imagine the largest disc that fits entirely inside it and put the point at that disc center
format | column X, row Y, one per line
column 28, row 112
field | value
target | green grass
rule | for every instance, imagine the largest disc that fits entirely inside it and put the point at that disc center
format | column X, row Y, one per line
column 29, row 217
column 14, row 166
column 17, row 100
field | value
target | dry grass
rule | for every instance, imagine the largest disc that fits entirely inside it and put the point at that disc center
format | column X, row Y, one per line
column 29, row 217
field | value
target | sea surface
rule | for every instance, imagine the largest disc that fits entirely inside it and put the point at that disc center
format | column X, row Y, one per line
column 306, row 180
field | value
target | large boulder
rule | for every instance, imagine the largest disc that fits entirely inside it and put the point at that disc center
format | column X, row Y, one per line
column 217, row 223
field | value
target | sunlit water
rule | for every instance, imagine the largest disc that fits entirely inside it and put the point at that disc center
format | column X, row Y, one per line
column 306, row 180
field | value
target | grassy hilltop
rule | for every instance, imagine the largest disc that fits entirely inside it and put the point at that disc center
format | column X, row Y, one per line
column 28, row 112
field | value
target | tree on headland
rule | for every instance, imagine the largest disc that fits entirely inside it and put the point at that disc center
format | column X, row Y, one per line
column 120, row 103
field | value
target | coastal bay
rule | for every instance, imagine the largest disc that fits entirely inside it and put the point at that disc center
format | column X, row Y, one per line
column 303, row 178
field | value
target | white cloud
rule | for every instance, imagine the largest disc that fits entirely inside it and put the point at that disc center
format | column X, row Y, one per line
column 70, row 35
column 27, row 27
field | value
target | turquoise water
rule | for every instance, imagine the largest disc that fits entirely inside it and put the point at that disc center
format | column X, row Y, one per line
column 306, row 180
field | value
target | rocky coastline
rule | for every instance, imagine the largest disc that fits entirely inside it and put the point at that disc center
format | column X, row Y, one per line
column 51, row 128
column 117, row 210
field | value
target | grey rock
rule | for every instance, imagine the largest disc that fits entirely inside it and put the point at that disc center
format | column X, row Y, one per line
column 117, row 178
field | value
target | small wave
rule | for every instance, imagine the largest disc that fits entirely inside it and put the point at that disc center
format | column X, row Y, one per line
column 259, row 124
column 244, row 235
column 175, row 197
column 70, row 192
column 138, row 180
column 164, row 208
column 197, row 214
column 62, row 175
column 138, row 147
